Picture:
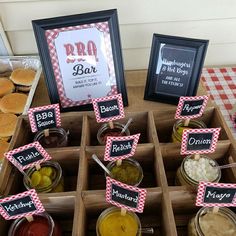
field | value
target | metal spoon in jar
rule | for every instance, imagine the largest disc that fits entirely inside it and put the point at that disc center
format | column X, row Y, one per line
column 127, row 125
column 95, row 158
column 147, row 230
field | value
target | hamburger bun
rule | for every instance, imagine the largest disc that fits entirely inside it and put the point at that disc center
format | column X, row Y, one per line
column 6, row 86
column 13, row 103
column 7, row 126
column 3, row 148
column 23, row 79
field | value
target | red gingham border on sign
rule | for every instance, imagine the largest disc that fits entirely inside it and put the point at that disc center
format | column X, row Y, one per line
column 233, row 117
column 122, row 138
column 181, row 104
column 201, row 193
column 103, row 99
column 33, row 195
column 186, row 132
column 142, row 195
column 51, row 34
column 37, row 145
column 32, row 120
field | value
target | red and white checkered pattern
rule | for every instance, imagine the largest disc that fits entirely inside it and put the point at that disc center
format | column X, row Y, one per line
column 103, row 99
column 185, row 136
column 32, row 120
column 141, row 198
column 108, row 147
column 221, row 86
column 51, row 34
column 34, row 197
column 201, row 193
column 37, row 145
column 181, row 106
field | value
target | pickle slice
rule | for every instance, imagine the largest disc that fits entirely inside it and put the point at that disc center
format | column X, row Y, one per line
column 35, row 178
column 46, row 170
column 45, row 182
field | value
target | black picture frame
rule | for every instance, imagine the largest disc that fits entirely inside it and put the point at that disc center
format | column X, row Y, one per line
column 107, row 61
column 175, row 67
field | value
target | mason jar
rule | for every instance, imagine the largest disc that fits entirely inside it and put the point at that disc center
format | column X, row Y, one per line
column 105, row 131
column 48, row 179
column 42, row 225
column 58, row 137
column 112, row 223
column 129, row 172
column 209, row 223
column 203, row 169
column 178, row 128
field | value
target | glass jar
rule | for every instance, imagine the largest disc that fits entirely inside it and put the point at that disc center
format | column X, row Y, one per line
column 105, row 131
column 47, row 179
column 209, row 223
column 129, row 172
column 178, row 128
column 58, row 137
column 42, row 225
column 185, row 175
column 112, row 223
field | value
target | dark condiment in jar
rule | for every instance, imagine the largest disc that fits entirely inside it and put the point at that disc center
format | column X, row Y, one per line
column 57, row 138
column 111, row 132
column 42, row 225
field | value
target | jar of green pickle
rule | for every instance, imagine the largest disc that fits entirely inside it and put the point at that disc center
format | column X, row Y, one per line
column 179, row 127
column 48, row 179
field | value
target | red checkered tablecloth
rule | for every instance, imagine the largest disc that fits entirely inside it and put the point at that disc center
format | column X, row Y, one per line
column 221, row 86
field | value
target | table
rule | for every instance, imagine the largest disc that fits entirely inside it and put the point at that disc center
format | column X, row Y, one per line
column 220, row 84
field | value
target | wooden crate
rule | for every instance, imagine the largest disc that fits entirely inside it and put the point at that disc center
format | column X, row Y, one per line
column 168, row 207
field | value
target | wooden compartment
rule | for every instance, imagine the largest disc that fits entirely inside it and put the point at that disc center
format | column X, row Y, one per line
column 172, row 160
column 94, row 175
column 92, row 203
column 68, row 158
column 164, row 121
column 140, row 124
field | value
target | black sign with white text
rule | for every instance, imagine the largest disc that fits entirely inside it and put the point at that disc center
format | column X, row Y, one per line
column 191, row 107
column 120, row 148
column 108, row 108
column 199, row 141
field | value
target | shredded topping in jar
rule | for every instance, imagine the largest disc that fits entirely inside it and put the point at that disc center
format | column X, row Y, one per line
column 201, row 169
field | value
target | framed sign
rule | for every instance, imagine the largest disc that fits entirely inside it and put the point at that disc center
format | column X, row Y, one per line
column 81, row 57
column 174, row 68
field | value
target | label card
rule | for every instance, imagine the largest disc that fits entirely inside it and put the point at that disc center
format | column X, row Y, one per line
column 216, row 194
column 191, row 107
column 44, row 117
column 28, row 156
column 199, row 141
column 125, row 196
column 21, row 205
column 118, row 148
column 108, row 108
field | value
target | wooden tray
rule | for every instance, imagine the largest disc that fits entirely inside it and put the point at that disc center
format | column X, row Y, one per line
column 168, row 207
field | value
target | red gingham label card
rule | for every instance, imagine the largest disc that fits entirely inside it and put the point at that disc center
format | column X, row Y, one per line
column 191, row 107
column 28, row 156
column 216, row 195
column 44, row 117
column 118, row 148
column 199, row 141
column 21, row 205
column 108, row 108
column 125, row 196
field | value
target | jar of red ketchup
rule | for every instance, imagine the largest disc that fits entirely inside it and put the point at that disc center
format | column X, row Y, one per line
column 42, row 225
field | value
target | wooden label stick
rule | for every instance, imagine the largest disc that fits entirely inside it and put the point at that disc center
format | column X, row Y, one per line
column 37, row 166
column 119, row 162
column 111, row 124
column 123, row 211
column 186, row 122
column 196, row 156
column 215, row 209
column 29, row 218
column 46, row 132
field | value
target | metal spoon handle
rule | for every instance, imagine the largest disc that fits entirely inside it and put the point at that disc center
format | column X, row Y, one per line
column 147, row 231
column 127, row 125
column 95, row 158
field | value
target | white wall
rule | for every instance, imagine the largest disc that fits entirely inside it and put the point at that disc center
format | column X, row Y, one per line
column 139, row 19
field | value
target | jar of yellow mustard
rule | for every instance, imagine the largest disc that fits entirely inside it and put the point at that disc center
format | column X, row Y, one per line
column 48, row 179
column 112, row 223
column 209, row 223
column 179, row 127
